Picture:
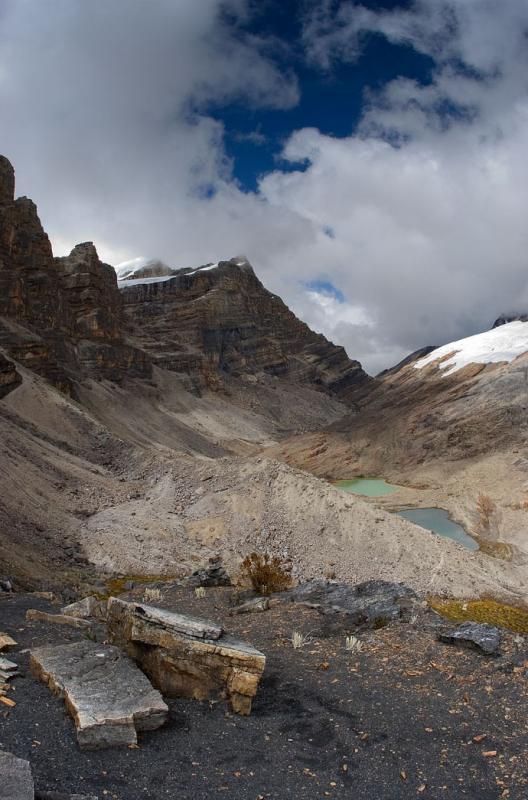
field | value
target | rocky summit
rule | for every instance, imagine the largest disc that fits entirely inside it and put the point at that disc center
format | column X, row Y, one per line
column 219, row 320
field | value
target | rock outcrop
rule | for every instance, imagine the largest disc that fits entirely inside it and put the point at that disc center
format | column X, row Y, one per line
column 219, row 320
column 186, row 657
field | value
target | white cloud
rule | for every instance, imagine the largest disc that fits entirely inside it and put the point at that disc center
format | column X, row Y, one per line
column 103, row 114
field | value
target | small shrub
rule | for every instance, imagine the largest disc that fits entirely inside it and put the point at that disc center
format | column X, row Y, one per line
column 266, row 574
column 353, row 644
column 151, row 595
column 299, row 640
column 200, row 592
column 485, row 512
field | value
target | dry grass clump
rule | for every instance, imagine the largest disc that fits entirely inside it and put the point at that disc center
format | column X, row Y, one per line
column 485, row 610
column 199, row 592
column 266, row 574
column 299, row 640
column 353, row 644
column 151, row 595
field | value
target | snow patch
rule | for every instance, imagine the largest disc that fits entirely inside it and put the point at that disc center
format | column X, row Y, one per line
column 203, row 269
column 137, row 281
column 499, row 344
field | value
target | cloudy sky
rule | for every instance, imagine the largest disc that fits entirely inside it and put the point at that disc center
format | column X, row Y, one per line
column 369, row 158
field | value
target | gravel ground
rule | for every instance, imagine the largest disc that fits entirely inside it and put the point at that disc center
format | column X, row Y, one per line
column 395, row 721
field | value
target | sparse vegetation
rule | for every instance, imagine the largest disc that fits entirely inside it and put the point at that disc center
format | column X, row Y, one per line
column 266, row 574
column 484, row 610
column 486, row 513
column 299, row 640
column 151, row 595
column 353, row 644
column 199, row 592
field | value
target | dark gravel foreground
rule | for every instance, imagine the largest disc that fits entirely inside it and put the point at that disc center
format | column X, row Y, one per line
column 396, row 721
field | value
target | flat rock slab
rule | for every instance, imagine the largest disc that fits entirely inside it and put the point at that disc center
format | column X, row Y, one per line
column 109, row 698
column 182, row 665
column 483, row 637
column 87, row 608
column 177, row 623
column 369, row 604
column 16, row 781
column 34, row 615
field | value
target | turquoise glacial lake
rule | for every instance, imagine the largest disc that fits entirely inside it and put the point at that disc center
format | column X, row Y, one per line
column 368, row 487
column 438, row 520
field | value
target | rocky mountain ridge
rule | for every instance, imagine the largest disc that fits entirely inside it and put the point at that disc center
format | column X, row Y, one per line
column 66, row 319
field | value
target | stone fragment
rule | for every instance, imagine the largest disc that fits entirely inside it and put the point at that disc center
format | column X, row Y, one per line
column 87, row 608
column 16, row 781
column 483, row 637
column 182, row 665
column 34, row 615
column 213, row 574
column 6, row 642
column 108, row 697
column 159, row 623
column 252, row 606
column 371, row 604
column 7, row 666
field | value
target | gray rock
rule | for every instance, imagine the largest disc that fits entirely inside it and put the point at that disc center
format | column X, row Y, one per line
column 213, row 574
column 474, row 634
column 16, row 781
column 371, row 604
column 252, row 606
column 171, row 621
column 109, row 698
column 86, row 608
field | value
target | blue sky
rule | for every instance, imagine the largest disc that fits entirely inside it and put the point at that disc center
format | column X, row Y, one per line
column 368, row 158
column 330, row 100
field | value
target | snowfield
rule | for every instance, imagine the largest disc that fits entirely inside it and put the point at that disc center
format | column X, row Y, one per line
column 500, row 344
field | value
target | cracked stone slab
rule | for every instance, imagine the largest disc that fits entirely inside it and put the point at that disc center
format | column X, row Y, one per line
column 16, row 780
column 109, row 698
column 183, row 665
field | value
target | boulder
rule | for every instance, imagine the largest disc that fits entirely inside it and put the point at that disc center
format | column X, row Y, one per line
column 370, row 605
column 186, row 657
column 213, row 574
column 108, row 697
column 16, row 781
column 87, row 608
column 478, row 635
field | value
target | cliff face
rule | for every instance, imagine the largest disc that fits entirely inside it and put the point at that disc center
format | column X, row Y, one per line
column 219, row 320
column 60, row 317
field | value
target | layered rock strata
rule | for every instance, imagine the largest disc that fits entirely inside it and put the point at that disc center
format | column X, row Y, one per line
column 219, row 320
column 186, row 657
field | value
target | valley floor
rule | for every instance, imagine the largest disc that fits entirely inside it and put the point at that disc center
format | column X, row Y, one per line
column 406, row 717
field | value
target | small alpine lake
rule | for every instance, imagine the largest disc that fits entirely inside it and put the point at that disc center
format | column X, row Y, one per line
column 368, row 487
column 438, row 521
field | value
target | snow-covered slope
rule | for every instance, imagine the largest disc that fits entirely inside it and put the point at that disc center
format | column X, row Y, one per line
column 499, row 344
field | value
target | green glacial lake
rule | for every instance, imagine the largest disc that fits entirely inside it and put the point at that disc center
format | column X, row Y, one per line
column 437, row 520
column 368, row 487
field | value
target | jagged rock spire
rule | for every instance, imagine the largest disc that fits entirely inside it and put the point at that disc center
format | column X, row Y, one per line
column 7, row 181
